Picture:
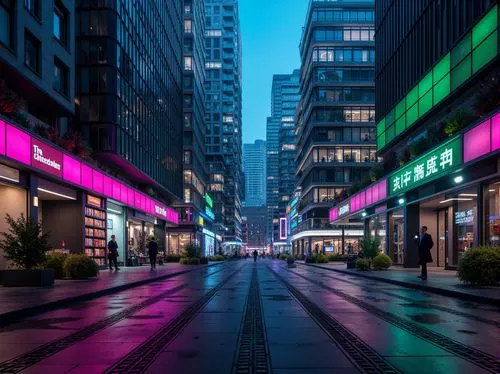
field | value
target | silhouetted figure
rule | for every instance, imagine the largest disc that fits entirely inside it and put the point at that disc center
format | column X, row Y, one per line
column 255, row 254
column 113, row 253
column 425, row 244
column 152, row 252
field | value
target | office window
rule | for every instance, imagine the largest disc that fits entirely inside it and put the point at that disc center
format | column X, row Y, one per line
column 33, row 7
column 188, row 63
column 60, row 83
column 32, row 47
column 60, row 23
column 6, row 9
column 188, row 26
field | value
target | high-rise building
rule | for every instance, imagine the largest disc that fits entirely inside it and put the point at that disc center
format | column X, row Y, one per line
column 281, row 150
column 129, row 88
column 223, row 114
column 254, row 228
column 254, row 167
column 127, row 106
column 438, row 131
column 195, row 210
column 335, row 120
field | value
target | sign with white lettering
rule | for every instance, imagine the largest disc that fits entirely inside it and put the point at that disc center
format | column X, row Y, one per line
column 428, row 167
column 463, row 217
column 46, row 158
column 344, row 209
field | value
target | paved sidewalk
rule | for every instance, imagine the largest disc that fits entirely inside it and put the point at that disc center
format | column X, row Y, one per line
column 20, row 302
column 439, row 281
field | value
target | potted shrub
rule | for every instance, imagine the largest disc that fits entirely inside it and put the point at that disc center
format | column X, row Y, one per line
column 56, row 261
column 362, row 264
column 25, row 246
column 480, row 266
column 191, row 255
column 80, row 266
column 291, row 261
column 370, row 247
column 381, row 262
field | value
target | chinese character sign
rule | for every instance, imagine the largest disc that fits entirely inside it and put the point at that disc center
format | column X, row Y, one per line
column 427, row 167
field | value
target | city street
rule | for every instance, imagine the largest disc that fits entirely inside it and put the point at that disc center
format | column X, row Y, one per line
column 258, row 318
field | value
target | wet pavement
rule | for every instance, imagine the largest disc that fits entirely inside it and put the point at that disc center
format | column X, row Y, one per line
column 241, row 317
column 439, row 280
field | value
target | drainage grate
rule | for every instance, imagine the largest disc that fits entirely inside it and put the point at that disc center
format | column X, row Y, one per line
column 252, row 355
column 361, row 354
column 475, row 356
column 427, row 306
column 138, row 360
column 33, row 357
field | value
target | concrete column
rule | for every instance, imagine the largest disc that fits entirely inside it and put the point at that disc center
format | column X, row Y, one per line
column 411, row 227
column 479, row 234
column 343, row 238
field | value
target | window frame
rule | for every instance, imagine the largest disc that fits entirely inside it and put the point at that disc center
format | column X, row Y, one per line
column 28, row 35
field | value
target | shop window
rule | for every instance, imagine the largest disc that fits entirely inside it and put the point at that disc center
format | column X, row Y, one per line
column 492, row 214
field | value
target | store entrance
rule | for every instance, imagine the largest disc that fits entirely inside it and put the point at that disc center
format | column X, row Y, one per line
column 451, row 220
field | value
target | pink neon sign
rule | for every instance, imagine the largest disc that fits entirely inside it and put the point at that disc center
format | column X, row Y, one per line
column 22, row 147
column 495, row 132
column 2, row 137
column 482, row 139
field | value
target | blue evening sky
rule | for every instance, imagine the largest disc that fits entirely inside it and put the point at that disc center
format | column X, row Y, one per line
column 271, row 31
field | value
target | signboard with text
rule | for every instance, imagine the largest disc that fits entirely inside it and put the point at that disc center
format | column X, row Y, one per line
column 428, row 167
column 46, row 158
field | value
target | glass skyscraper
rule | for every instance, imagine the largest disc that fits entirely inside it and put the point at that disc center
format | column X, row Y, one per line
column 128, row 89
column 281, row 149
column 223, row 115
column 254, row 167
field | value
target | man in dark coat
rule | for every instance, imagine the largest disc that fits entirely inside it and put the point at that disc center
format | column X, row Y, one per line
column 425, row 243
column 113, row 253
column 153, row 252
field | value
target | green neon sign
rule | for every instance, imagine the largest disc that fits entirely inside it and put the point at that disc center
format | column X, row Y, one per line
column 209, row 201
column 427, row 167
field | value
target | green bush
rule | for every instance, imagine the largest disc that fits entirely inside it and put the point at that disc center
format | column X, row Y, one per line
column 336, row 257
column 283, row 256
column 480, row 266
column 194, row 261
column 184, row 261
column 216, row 258
column 80, row 266
column 319, row 259
column 172, row 258
column 24, row 242
column 204, row 260
column 362, row 264
column 381, row 262
column 56, row 261
column 191, row 250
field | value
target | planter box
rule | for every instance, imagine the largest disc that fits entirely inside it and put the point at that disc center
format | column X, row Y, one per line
column 28, row 278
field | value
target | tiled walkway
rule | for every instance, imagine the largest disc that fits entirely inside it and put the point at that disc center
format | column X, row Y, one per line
column 228, row 318
column 438, row 280
column 19, row 298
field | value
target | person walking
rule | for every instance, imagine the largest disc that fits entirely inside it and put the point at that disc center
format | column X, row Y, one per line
column 153, row 252
column 255, row 254
column 113, row 253
column 425, row 244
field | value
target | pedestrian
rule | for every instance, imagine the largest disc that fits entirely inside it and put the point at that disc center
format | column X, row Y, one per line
column 425, row 244
column 152, row 252
column 255, row 254
column 113, row 253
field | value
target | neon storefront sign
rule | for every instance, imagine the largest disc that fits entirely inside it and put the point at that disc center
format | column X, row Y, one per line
column 20, row 146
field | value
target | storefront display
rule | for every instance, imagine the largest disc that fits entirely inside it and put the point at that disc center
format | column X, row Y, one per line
column 397, row 245
column 95, row 229
column 492, row 213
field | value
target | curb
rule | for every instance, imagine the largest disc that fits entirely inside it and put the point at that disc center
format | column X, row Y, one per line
column 14, row 316
column 436, row 290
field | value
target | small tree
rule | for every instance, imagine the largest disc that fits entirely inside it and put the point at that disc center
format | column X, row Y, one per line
column 370, row 247
column 24, row 244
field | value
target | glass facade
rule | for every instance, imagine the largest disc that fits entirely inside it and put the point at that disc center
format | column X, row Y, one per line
column 335, row 123
column 128, row 83
column 492, row 214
